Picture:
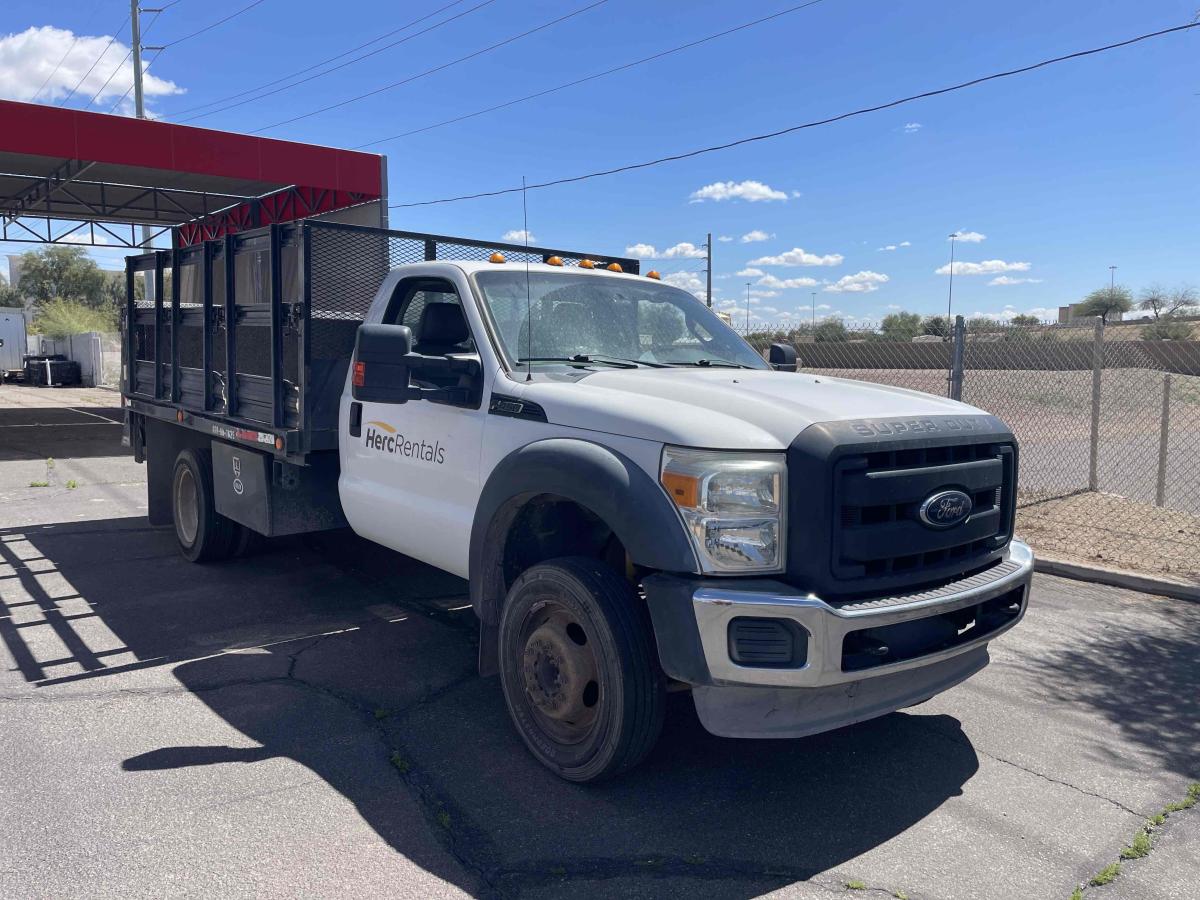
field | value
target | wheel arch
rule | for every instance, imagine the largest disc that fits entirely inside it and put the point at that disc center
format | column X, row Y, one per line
column 603, row 482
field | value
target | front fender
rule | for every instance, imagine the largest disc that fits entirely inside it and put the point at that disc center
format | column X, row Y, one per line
column 606, row 483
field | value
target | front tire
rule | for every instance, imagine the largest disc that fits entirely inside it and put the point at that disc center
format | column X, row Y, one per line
column 579, row 669
column 203, row 534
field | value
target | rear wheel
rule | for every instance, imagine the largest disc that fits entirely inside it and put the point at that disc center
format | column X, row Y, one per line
column 202, row 533
column 579, row 670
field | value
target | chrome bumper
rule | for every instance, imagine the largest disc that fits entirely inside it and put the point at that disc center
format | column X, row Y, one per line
column 827, row 625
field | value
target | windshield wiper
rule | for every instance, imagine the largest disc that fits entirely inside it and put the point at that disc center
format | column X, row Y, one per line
column 604, row 357
column 580, row 359
column 712, row 363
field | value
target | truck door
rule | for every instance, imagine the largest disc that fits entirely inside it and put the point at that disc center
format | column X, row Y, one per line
column 410, row 477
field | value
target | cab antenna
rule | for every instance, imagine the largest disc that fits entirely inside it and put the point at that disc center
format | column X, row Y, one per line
column 528, row 302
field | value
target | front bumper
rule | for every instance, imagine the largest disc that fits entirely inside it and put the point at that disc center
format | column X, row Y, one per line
column 693, row 617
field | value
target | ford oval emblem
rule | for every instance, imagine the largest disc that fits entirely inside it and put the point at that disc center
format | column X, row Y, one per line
column 945, row 509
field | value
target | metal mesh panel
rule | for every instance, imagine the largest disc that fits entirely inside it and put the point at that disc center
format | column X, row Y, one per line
column 1107, row 419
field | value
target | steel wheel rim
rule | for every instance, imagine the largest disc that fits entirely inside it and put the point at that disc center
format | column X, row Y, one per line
column 187, row 507
column 559, row 673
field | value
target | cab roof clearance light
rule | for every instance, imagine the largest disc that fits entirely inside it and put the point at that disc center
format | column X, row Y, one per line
column 554, row 261
column 615, row 267
column 586, row 264
column 653, row 274
column 496, row 258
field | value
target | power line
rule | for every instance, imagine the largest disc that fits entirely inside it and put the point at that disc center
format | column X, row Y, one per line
column 63, row 59
column 103, row 53
column 593, row 77
column 113, row 74
column 827, row 121
column 411, row 78
column 324, row 62
column 145, row 69
column 211, row 25
column 349, row 62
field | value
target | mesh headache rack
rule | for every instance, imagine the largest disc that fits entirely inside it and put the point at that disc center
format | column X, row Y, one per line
column 249, row 336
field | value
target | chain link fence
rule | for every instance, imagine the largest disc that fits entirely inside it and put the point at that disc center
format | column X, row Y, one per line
column 1107, row 417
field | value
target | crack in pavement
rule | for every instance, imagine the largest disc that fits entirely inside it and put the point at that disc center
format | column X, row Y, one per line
column 1028, row 771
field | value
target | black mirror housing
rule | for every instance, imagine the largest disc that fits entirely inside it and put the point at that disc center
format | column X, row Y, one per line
column 782, row 357
column 380, row 370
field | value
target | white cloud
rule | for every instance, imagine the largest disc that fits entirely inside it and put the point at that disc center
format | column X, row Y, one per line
column 821, row 306
column 906, row 243
column 912, row 127
column 752, row 273
column 798, row 256
column 784, row 284
column 859, row 283
column 893, row 306
column 1043, row 314
column 969, row 237
column 896, row 246
column 27, row 60
column 769, row 310
column 518, row 236
column 888, row 247
column 764, row 293
column 751, row 237
column 987, row 267
column 724, row 239
column 796, row 195
column 751, row 191
column 1003, row 280
column 689, row 281
column 683, row 250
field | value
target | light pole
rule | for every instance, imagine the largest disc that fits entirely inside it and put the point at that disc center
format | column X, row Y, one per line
column 747, row 306
column 950, row 299
column 708, row 270
column 814, row 311
column 1112, row 279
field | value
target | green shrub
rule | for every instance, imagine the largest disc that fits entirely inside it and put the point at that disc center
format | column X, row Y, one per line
column 1167, row 330
column 63, row 318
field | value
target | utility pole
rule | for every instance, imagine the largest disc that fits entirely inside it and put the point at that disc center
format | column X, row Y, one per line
column 708, row 269
column 814, row 315
column 1112, row 279
column 950, row 299
column 747, row 306
column 139, row 99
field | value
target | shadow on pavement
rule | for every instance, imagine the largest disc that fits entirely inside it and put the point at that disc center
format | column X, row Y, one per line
column 61, row 432
column 342, row 639
column 1141, row 681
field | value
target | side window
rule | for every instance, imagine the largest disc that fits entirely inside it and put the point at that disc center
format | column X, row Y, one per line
column 442, row 334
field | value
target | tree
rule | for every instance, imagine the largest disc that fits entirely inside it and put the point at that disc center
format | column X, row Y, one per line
column 1164, row 302
column 1167, row 329
column 831, row 331
column 65, row 273
column 1103, row 302
column 1024, row 320
column 901, row 326
column 936, row 325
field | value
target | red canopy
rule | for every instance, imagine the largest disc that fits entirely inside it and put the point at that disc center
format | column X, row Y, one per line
column 111, row 171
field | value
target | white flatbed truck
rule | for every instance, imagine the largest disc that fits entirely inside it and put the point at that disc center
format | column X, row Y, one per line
column 637, row 499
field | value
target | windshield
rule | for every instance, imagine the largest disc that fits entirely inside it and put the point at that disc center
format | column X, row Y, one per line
column 590, row 319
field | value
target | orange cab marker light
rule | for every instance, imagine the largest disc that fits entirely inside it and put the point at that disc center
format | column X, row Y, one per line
column 360, row 374
column 179, row 415
column 653, row 274
column 554, row 261
column 496, row 258
column 586, row 264
column 615, row 267
column 684, row 489
column 278, row 443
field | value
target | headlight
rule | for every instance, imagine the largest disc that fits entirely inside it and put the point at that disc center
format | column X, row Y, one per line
column 733, row 507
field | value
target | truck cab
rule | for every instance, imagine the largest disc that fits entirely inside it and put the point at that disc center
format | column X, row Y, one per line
column 640, row 502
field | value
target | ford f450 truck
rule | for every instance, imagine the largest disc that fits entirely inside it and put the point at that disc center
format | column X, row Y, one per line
column 638, row 500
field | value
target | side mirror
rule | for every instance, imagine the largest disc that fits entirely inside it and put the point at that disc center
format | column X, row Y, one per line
column 380, row 366
column 782, row 357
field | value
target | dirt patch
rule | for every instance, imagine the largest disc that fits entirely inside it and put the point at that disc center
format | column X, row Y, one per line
column 1115, row 532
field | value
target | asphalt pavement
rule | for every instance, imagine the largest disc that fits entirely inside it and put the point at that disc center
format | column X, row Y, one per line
column 307, row 722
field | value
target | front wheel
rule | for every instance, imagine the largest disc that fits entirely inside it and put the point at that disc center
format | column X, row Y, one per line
column 579, row 669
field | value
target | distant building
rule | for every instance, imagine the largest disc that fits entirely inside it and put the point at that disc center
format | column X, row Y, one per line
column 14, row 271
column 1069, row 314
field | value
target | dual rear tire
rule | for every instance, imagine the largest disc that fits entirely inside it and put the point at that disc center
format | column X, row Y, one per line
column 203, row 534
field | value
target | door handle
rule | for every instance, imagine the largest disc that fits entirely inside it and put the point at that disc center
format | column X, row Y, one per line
column 355, row 419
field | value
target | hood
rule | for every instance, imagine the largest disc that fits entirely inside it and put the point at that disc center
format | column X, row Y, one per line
column 736, row 409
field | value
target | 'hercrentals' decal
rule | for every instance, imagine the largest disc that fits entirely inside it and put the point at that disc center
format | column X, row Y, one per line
column 383, row 437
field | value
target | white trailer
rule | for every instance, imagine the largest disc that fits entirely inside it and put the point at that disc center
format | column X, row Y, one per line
column 12, row 342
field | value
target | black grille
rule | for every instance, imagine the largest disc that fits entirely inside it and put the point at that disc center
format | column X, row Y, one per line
column 877, row 497
column 857, row 486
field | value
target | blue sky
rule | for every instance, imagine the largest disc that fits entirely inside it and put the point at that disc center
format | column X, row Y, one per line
column 1064, row 171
